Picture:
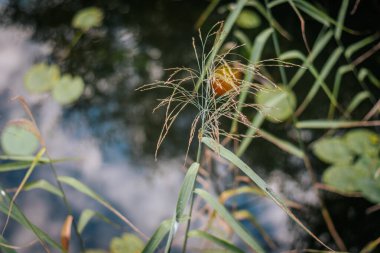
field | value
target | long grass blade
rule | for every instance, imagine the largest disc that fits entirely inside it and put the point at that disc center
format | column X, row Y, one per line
column 357, row 100
column 340, row 20
column 157, row 237
column 331, row 61
column 353, row 48
column 3, row 246
column 206, row 13
column 43, row 185
column 218, row 241
column 231, row 157
column 19, row 216
column 282, row 144
column 227, row 217
column 79, row 186
column 327, row 124
column 183, row 198
column 363, row 73
column 89, row 214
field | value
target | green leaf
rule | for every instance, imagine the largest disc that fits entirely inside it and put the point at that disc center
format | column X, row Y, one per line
column 333, row 150
column 345, row 178
column 332, row 124
column 44, row 185
column 68, row 89
column 88, row 18
column 95, row 251
column 278, row 103
column 41, row 77
column 87, row 215
column 157, row 237
column 363, row 141
column 20, row 138
column 231, row 157
column 128, row 243
column 218, row 241
column 370, row 189
column 183, row 198
column 19, row 216
column 186, row 190
column 248, row 19
column 3, row 248
column 227, row 217
column 79, row 186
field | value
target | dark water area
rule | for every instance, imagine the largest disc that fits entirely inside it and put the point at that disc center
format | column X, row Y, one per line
column 114, row 132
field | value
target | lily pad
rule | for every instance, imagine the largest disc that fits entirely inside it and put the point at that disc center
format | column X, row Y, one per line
column 20, row 138
column 345, row 178
column 278, row 103
column 363, row 141
column 68, row 89
column 370, row 189
column 88, row 18
column 41, row 77
column 127, row 243
column 333, row 150
column 248, row 19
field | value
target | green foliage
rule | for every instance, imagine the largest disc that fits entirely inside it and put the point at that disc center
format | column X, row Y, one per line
column 68, row 89
column 248, row 20
column 127, row 243
column 41, row 77
column 19, row 138
column 355, row 159
column 277, row 103
column 88, row 18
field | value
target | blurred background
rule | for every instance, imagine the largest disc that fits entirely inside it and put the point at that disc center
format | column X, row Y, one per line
column 111, row 129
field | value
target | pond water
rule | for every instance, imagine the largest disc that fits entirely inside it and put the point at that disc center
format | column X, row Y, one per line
column 111, row 129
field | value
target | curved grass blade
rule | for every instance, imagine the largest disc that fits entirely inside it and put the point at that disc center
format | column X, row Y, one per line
column 353, row 48
column 206, row 13
column 3, row 246
column 340, row 20
column 183, row 198
column 363, row 73
column 18, row 216
column 357, row 100
column 246, row 215
column 218, row 241
column 43, row 185
column 338, row 78
column 227, row 217
column 331, row 124
column 89, row 214
column 6, row 167
column 331, row 61
column 282, row 144
column 231, row 157
column 79, row 186
column 157, row 237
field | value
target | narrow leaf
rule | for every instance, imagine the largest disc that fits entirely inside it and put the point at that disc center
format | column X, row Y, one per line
column 43, row 185
column 231, row 157
column 157, row 237
column 327, row 124
column 79, row 186
column 66, row 233
column 218, row 241
column 225, row 214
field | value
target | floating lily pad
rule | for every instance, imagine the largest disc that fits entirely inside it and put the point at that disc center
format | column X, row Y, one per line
column 127, row 243
column 41, row 77
column 370, row 189
column 68, row 89
column 248, row 19
column 345, row 178
column 278, row 103
column 88, row 18
column 20, row 138
column 333, row 150
column 363, row 141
